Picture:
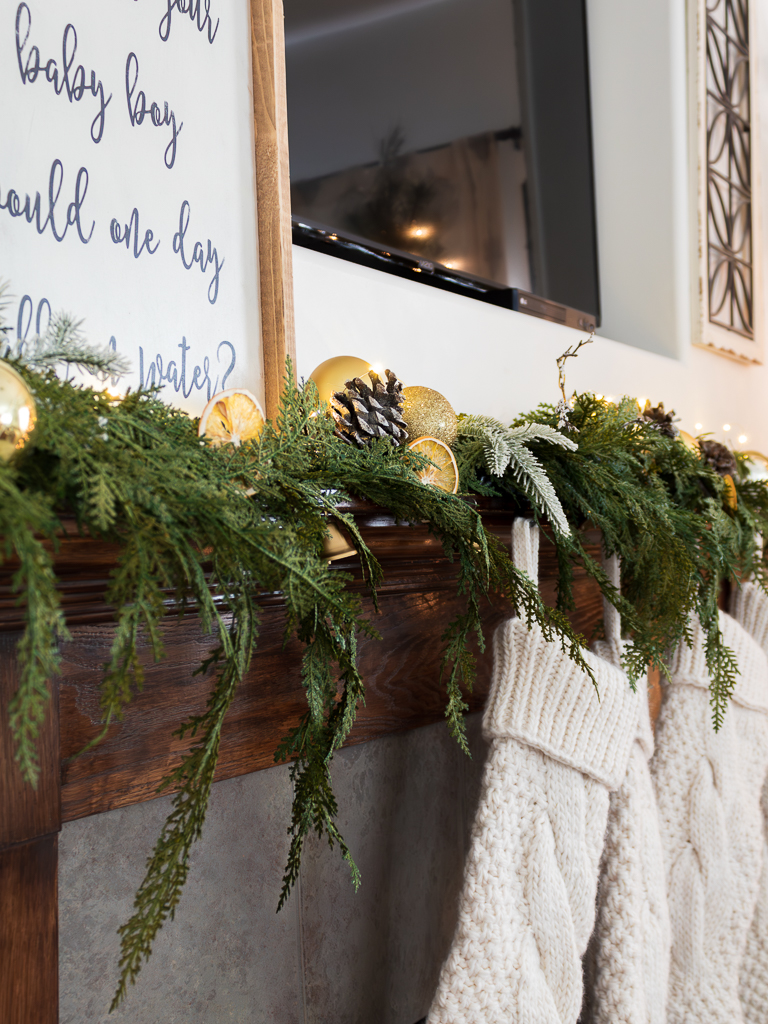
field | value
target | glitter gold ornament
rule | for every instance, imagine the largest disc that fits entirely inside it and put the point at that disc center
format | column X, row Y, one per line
column 427, row 413
column 17, row 412
column 333, row 374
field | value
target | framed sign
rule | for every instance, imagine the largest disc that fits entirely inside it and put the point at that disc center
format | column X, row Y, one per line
column 144, row 185
column 724, row 94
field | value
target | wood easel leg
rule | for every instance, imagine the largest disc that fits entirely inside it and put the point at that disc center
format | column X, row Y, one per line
column 30, row 820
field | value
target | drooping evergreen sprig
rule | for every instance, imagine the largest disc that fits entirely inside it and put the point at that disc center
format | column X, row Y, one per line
column 214, row 528
column 660, row 507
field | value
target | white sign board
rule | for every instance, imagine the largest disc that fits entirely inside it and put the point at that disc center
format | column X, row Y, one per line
column 127, row 189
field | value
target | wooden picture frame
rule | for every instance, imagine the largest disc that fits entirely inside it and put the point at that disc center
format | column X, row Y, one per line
column 706, row 333
column 30, row 819
column 273, row 196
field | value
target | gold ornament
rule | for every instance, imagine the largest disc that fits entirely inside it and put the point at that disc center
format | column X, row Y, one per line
column 759, row 468
column 334, row 373
column 17, row 412
column 427, row 413
column 336, row 545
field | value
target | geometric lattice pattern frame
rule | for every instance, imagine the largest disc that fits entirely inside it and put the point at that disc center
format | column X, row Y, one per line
column 730, row 269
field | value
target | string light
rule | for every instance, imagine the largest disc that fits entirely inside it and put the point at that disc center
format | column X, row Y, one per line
column 726, row 427
column 743, row 438
column 698, row 426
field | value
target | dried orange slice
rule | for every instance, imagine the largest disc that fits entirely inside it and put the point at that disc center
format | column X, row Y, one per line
column 445, row 473
column 231, row 417
column 731, row 498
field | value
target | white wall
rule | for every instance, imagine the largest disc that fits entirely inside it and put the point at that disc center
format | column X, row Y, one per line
column 486, row 359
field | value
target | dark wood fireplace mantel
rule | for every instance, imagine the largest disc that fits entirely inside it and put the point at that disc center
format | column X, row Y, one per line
column 402, row 670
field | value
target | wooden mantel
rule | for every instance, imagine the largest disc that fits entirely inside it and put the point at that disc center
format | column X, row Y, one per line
column 402, row 672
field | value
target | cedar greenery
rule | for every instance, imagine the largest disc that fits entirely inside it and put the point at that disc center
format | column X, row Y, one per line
column 663, row 509
column 215, row 528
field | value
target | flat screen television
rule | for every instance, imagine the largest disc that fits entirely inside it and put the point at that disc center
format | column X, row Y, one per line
column 447, row 136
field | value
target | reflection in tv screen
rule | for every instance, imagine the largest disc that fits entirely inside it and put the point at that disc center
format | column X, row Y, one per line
column 455, row 130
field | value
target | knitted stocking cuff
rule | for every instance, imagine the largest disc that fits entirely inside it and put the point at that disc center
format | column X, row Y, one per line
column 541, row 698
column 688, row 666
column 749, row 606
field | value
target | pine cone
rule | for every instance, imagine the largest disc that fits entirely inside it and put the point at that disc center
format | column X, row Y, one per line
column 720, row 458
column 657, row 418
column 363, row 413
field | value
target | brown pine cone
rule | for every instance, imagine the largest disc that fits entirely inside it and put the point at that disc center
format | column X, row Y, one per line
column 362, row 413
column 720, row 458
column 659, row 419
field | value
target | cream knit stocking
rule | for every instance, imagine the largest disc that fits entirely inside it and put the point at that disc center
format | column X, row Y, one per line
column 750, row 608
column 528, row 904
column 628, row 960
column 708, row 792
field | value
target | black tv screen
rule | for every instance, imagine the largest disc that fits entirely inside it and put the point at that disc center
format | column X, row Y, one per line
column 454, row 130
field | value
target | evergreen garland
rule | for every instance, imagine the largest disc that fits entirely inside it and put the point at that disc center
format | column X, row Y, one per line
column 662, row 508
column 216, row 527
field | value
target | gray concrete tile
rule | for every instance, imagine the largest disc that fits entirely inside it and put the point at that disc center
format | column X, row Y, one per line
column 227, row 956
column 372, row 957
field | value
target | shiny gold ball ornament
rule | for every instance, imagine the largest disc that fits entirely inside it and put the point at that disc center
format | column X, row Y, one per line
column 334, row 373
column 18, row 414
column 427, row 413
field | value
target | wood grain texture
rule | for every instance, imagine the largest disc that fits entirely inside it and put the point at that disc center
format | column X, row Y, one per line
column 273, row 197
column 29, row 940
column 26, row 812
column 417, row 600
column 402, row 671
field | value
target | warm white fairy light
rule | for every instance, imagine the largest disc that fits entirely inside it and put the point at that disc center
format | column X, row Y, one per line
column 698, row 426
column 743, row 438
column 726, row 427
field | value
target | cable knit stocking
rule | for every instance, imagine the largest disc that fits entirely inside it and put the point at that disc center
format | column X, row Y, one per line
column 628, row 960
column 750, row 608
column 528, row 903
column 708, row 791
